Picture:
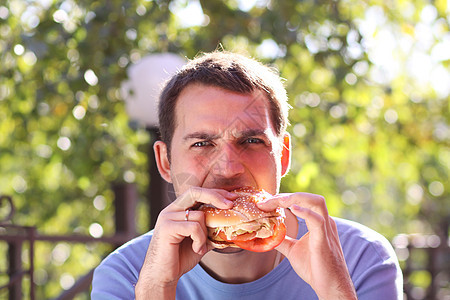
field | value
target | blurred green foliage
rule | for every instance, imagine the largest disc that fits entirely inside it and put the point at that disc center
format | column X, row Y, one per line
column 369, row 120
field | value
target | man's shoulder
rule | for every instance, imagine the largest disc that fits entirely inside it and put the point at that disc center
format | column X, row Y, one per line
column 141, row 241
column 348, row 228
column 117, row 274
column 359, row 239
column 132, row 253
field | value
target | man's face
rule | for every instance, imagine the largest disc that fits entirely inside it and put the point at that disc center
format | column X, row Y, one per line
column 224, row 140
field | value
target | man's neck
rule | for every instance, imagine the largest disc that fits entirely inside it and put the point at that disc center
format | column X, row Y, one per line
column 240, row 267
column 245, row 266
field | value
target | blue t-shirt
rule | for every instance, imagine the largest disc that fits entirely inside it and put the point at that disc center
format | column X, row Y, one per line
column 371, row 262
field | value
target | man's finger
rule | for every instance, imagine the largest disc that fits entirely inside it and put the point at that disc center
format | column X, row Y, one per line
column 196, row 195
column 286, row 245
column 313, row 202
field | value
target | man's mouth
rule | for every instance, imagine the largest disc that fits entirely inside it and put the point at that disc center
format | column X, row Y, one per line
column 229, row 184
column 231, row 188
column 235, row 187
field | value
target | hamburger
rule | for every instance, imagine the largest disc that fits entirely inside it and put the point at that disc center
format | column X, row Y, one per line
column 245, row 225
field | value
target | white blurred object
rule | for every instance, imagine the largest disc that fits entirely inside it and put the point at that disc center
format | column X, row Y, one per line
column 146, row 77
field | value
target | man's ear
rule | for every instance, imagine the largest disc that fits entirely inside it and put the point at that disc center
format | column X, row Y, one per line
column 162, row 160
column 286, row 154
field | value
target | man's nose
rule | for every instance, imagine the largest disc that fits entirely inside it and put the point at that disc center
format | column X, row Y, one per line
column 228, row 162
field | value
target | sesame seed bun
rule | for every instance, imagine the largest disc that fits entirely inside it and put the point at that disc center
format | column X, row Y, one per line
column 245, row 221
column 244, row 209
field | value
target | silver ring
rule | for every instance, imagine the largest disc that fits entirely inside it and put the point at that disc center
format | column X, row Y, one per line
column 186, row 215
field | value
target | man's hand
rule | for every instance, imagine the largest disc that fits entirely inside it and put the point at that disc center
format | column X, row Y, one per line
column 317, row 257
column 178, row 244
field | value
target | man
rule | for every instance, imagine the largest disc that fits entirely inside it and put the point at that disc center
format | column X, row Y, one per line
column 223, row 121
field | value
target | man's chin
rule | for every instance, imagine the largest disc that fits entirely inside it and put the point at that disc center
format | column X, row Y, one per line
column 226, row 188
column 228, row 250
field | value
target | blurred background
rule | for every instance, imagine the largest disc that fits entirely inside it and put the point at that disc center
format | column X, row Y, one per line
column 369, row 86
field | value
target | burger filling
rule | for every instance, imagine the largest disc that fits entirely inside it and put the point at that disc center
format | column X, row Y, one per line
column 260, row 228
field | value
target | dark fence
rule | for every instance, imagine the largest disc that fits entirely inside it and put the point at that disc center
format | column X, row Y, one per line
column 434, row 264
column 425, row 262
column 17, row 236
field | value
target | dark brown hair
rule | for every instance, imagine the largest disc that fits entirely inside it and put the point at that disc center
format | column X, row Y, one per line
column 229, row 71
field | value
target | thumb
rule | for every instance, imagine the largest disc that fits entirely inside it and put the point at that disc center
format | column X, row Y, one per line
column 286, row 246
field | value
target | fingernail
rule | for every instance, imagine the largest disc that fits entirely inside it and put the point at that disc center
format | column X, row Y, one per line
column 296, row 207
column 232, row 195
column 228, row 202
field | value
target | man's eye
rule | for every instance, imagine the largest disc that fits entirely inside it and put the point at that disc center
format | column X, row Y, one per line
column 254, row 141
column 201, row 144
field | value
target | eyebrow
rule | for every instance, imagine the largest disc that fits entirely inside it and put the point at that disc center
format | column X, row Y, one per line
column 203, row 135
column 251, row 132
